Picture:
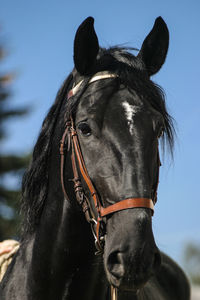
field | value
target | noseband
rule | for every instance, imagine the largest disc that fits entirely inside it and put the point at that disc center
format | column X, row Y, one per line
column 95, row 218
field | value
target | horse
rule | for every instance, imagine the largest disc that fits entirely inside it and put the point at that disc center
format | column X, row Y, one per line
column 89, row 193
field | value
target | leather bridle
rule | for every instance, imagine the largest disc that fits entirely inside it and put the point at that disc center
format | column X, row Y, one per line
column 95, row 218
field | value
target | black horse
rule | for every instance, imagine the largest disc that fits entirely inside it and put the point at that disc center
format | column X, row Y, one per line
column 116, row 114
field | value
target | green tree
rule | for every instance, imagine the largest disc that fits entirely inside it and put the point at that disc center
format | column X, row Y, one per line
column 10, row 165
column 192, row 262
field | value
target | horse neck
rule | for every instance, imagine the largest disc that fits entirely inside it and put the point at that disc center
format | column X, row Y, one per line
column 63, row 242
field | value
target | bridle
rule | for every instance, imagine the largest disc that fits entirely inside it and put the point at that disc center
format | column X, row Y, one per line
column 95, row 218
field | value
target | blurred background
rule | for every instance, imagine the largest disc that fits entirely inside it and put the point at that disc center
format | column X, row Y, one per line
column 36, row 55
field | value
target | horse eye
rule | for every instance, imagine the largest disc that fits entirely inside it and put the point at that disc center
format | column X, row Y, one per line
column 85, row 129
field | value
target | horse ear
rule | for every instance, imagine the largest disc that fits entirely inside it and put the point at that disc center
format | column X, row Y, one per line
column 86, row 47
column 155, row 46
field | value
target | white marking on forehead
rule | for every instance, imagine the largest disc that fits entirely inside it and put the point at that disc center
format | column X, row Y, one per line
column 130, row 112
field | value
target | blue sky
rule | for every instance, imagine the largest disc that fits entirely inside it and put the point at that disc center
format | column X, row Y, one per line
column 39, row 37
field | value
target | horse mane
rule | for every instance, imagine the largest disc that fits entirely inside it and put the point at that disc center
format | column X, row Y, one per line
column 35, row 179
column 132, row 74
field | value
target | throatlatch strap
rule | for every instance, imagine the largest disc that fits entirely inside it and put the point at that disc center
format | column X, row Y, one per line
column 62, row 161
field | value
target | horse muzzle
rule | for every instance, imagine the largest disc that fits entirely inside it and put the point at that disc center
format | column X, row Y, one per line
column 131, row 257
column 129, row 276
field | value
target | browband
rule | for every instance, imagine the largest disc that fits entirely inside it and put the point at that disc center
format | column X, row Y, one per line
column 97, row 76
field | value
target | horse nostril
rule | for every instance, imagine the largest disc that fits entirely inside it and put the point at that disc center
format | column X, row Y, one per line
column 115, row 264
column 157, row 261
